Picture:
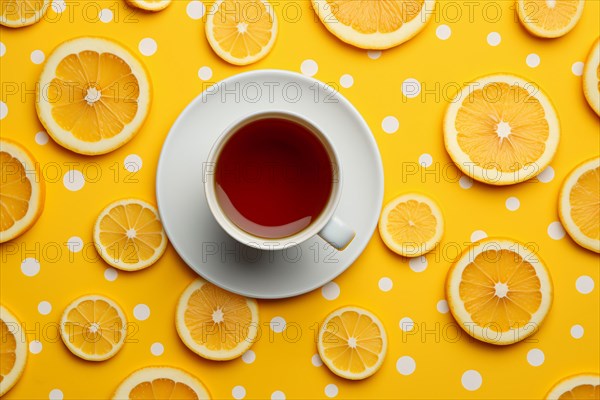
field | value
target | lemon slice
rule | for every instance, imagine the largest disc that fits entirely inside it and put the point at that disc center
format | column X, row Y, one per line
column 376, row 25
column 128, row 235
column 499, row 291
column 501, row 130
column 579, row 204
column 411, row 225
column 21, row 190
column 93, row 95
column 551, row 18
column 150, row 5
column 161, row 383
column 352, row 343
column 576, row 387
column 591, row 77
column 241, row 32
column 93, row 328
column 13, row 350
column 18, row 13
column 214, row 323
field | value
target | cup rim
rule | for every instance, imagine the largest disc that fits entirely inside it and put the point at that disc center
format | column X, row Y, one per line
column 256, row 241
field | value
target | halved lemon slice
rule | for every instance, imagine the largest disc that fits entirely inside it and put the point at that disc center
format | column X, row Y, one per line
column 161, row 383
column 128, row 235
column 18, row 13
column 591, row 77
column 93, row 95
column 501, row 130
column 376, row 25
column 499, row 291
column 214, row 323
column 352, row 343
column 93, row 327
column 576, row 387
column 241, row 32
column 21, row 190
column 150, row 5
column 579, row 204
column 13, row 350
column 549, row 18
column 411, row 225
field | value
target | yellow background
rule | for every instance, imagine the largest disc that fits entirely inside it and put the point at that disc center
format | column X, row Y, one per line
column 281, row 364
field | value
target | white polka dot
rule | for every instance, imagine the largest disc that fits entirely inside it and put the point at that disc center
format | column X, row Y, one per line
column 141, row 312
column 35, row 347
column 105, row 15
column 385, row 284
column 3, row 110
column 443, row 32
column 59, row 6
column 418, row 264
column 55, row 394
column 75, row 244
column 411, row 88
column 248, row 357
column 195, row 9
column 330, row 291
column 390, row 124
column 238, row 392
column 477, row 235
column 471, row 380
column 41, row 138
column 316, row 360
column 532, row 60
column 309, row 67
column 442, row 307
column 577, row 331
column 556, row 231
column 425, row 160
column 465, row 182
column 157, row 349
column 331, row 390
column 148, row 46
column 37, row 56
column 133, row 163
column 278, row 395
column 30, row 267
column 205, row 73
column 73, row 180
column 346, row 81
column 535, row 357
column 406, row 365
column 277, row 324
column 44, row 307
column 406, row 324
column 110, row 274
column 577, row 68
column 2, row 49
column 584, row 284
column 546, row 175
column 512, row 204
column 374, row 54
column 494, row 39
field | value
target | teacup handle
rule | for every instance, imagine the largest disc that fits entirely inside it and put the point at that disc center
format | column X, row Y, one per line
column 337, row 233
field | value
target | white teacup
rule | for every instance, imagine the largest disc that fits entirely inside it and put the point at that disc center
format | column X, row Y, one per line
column 326, row 225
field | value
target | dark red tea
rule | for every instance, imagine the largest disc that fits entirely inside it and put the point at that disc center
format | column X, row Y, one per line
column 273, row 178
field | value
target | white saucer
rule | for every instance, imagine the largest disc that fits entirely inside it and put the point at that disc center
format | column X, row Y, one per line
column 193, row 231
